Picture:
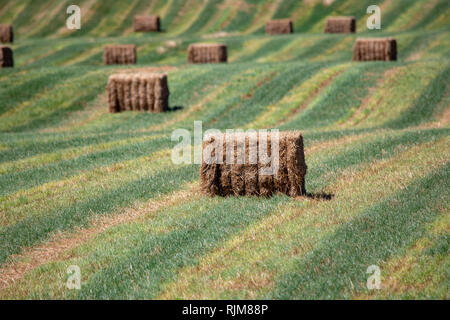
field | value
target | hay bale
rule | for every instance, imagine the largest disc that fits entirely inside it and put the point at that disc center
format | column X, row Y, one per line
column 6, row 57
column 375, row 49
column 146, row 24
column 249, row 178
column 119, row 54
column 251, row 165
column 296, row 167
column 238, row 168
column 340, row 25
column 279, row 26
column 161, row 94
column 138, row 92
column 224, row 168
column 207, row 53
column 281, row 176
column 6, row 33
column 210, row 168
column 265, row 181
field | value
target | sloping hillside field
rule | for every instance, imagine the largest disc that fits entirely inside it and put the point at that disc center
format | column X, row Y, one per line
column 89, row 192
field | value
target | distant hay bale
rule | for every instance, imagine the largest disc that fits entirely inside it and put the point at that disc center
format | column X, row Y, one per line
column 246, row 171
column 279, row 26
column 340, row 25
column 6, row 33
column 6, row 57
column 138, row 92
column 375, row 49
column 146, row 23
column 119, row 54
column 207, row 53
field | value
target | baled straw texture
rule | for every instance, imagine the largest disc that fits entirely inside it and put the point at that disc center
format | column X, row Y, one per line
column 279, row 26
column 340, row 25
column 119, row 54
column 146, row 23
column 246, row 174
column 6, row 33
column 138, row 92
column 207, row 53
column 375, row 49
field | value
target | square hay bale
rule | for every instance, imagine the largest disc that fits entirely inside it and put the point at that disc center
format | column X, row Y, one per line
column 244, row 164
column 340, row 25
column 6, row 33
column 138, row 92
column 207, row 53
column 279, row 26
column 375, row 49
column 146, row 23
column 6, row 57
column 119, row 54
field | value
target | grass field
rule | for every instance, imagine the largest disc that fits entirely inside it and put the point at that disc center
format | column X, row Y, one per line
column 81, row 186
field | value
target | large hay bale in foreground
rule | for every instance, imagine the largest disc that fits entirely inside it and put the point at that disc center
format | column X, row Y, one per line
column 279, row 26
column 340, row 25
column 207, row 53
column 375, row 49
column 6, row 57
column 240, row 164
column 146, row 23
column 119, row 54
column 6, row 33
column 140, row 92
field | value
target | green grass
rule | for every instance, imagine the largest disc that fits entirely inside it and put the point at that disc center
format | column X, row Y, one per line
column 376, row 138
column 337, row 265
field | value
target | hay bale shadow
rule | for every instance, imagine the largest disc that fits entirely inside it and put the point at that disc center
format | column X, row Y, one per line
column 175, row 108
column 320, row 196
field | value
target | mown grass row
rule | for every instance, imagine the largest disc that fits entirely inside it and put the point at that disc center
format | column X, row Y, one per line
column 173, row 51
column 102, row 19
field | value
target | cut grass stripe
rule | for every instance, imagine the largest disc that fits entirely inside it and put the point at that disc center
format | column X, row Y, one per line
column 19, row 268
column 207, row 11
column 62, row 193
column 270, row 92
column 49, row 109
column 421, row 79
column 36, row 229
column 412, row 15
column 337, row 267
column 36, row 84
column 422, row 272
column 425, row 106
column 297, row 99
column 379, row 146
column 155, row 255
column 340, row 99
column 24, row 145
column 272, row 46
column 15, row 181
column 66, row 154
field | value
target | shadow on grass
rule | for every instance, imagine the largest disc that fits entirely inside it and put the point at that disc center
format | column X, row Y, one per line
column 320, row 196
column 175, row 108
